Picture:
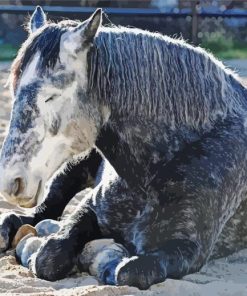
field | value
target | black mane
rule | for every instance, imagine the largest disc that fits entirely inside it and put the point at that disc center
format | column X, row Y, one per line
column 47, row 42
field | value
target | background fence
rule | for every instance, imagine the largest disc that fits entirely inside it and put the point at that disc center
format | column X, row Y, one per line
column 219, row 25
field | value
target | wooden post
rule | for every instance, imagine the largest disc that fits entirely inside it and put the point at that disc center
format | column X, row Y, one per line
column 194, row 7
column 179, row 5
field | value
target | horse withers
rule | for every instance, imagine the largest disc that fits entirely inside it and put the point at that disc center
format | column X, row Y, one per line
column 164, row 121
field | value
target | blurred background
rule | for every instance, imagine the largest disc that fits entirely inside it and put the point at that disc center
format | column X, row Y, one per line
column 218, row 25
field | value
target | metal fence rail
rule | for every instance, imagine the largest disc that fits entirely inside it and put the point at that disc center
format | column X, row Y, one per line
column 194, row 10
column 119, row 11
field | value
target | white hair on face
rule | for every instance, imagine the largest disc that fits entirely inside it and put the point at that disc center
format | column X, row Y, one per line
column 30, row 73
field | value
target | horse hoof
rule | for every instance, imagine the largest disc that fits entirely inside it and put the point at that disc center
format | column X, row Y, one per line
column 9, row 223
column 100, row 258
column 90, row 251
column 111, row 253
column 4, row 239
column 28, row 245
column 22, row 232
column 28, row 239
column 108, row 275
column 47, row 227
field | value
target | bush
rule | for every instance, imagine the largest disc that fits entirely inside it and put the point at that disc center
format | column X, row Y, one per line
column 7, row 52
column 224, row 47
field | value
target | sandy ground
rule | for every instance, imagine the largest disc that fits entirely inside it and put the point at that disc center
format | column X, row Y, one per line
column 227, row 276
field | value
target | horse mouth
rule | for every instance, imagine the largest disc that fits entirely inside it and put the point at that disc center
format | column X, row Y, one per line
column 24, row 203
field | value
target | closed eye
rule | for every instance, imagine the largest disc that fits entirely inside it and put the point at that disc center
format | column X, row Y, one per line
column 50, row 99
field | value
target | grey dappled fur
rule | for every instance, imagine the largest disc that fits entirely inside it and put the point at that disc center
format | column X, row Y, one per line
column 176, row 144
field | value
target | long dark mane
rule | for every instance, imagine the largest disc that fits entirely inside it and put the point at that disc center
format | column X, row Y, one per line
column 135, row 71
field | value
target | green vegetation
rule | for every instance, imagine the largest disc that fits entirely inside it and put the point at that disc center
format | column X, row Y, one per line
column 7, row 52
column 221, row 46
column 224, row 47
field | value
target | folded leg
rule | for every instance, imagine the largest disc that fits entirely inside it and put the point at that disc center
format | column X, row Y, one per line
column 63, row 188
column 174, row 231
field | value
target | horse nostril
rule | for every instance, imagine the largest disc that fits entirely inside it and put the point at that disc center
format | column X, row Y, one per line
column 18, row 186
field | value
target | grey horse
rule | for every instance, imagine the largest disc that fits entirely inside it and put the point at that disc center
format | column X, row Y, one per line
column 163, row 122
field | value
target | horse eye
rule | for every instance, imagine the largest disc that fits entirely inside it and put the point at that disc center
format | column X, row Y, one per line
column 49, row 99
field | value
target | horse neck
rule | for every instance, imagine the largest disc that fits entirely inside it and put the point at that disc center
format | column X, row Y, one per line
column 119, row 155
column 143, row 146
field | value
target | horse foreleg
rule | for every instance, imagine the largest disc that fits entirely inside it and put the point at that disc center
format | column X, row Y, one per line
column 62, row 189
column 197, row 193
column 66, row 185
column 174, row 261
column 58, row 254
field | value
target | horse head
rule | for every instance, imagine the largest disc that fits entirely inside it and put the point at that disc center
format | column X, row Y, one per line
column 51, row 119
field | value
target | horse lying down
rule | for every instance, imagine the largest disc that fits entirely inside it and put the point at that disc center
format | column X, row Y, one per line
column 157, row 125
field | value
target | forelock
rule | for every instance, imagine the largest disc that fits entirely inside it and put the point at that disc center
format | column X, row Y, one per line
column 46, row 41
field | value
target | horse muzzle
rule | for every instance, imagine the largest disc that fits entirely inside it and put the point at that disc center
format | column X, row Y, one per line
column 14, row 190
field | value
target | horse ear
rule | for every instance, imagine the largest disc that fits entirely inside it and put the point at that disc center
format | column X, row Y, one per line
column 89, row 30
column 82, row 35
column 38, row 19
